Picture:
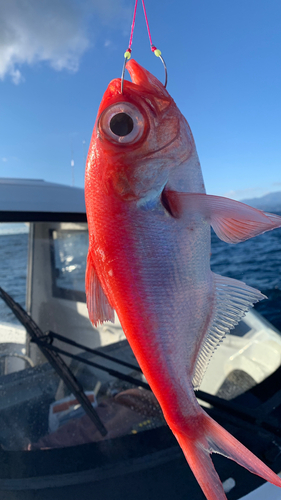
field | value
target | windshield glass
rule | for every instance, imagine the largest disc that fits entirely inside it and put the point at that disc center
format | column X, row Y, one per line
column 69, row 252
column 44, row 272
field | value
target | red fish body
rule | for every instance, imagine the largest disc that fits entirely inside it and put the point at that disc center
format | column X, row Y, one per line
column 149, row 259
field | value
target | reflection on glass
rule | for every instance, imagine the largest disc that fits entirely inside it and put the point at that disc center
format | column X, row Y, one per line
column 70, row 254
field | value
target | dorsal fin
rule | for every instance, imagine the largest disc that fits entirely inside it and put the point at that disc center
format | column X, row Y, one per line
column 232, row 300
column 98, row 306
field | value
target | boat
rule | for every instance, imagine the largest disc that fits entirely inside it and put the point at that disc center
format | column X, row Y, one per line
column 77, row 416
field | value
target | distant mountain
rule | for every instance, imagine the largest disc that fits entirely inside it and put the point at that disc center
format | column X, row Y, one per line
column 270, row 202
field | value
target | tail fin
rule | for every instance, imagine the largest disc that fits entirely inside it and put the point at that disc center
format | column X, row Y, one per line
column 198, row 456
column 213, row 438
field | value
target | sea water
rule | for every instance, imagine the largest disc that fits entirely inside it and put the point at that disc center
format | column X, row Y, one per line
column 256, row 262
column 13, row 267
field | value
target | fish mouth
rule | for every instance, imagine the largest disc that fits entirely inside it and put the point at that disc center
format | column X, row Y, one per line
column 136, row 71
column 140, row 76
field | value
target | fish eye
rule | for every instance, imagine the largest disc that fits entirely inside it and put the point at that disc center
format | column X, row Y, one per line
column 122, row 123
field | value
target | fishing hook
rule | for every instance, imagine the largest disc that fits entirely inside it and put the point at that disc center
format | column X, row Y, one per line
column 124, row 67
column 165, row 68
column 123, row 73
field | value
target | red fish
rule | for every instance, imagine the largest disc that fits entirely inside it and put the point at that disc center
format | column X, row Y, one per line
column 149, row 260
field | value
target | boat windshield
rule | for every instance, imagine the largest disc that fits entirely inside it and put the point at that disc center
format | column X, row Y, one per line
column 65, row 383
column 44, row 273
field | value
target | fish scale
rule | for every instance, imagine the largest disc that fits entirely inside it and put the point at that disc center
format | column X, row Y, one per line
column 149, row 260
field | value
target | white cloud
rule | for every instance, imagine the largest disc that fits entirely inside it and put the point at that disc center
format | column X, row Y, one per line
column 51, row 31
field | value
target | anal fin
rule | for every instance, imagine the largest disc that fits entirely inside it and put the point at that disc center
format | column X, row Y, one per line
column 231, row 302
column 98, row 306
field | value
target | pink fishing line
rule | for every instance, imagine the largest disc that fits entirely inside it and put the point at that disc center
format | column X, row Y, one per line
column 133, row 24
column 147, row 25
column 153, row 48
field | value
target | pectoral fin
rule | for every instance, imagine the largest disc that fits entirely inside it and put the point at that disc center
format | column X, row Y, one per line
column 231, row 220
column 98, row 306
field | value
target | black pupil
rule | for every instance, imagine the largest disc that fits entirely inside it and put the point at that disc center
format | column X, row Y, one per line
column 121, row 124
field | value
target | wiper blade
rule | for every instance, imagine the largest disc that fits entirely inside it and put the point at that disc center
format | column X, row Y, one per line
column 49, row 336
column 110, row 371
column 55, row 360
column 259, row 416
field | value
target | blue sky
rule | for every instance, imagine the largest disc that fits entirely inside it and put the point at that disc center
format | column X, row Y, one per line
column 224, row 72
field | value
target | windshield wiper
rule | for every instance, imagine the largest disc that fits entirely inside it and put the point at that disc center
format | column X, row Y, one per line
column 110, row 371
column 259, row 416
column 49, row 336
column 54, row 359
